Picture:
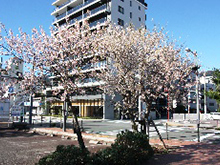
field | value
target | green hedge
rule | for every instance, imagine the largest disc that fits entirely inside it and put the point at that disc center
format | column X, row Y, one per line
column 129, row 149
column 66, row 155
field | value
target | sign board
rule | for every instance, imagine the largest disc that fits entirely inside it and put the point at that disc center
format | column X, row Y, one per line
column 35, row 104
column 10, row 89
column 16, row 110
column 4, row 111
column 16, row 113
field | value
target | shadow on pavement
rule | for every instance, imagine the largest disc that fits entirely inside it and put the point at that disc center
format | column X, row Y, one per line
column 15, row 133
column 200, row 153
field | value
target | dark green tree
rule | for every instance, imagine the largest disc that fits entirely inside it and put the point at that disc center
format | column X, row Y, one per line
column 215, row 94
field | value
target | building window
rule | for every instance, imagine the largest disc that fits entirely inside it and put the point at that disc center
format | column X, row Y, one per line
column 139, row 18
column 120, row 22
column 145, row 17
column 139, row 7
column 130, row 3
column 211, row 104
column 121, row 9
column 122, row 0
column 130, row 14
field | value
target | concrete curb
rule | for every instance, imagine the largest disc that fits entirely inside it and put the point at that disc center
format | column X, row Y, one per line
column 95, row 137
column 180, row 124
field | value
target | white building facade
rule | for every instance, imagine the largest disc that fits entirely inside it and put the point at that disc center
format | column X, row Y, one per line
column 11, row 105
column 121, row 12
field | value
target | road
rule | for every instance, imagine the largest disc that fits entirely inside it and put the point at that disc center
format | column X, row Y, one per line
column 113, row 127
column 22, row 148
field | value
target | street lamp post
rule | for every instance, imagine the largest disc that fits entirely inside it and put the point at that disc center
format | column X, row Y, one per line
column 196, row 70
column 205, row 102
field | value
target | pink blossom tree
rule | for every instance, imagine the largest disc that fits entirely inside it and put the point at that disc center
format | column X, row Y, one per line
column 61, row 55
column 142, row 64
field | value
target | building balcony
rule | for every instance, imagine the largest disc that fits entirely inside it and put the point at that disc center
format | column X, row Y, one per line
column 59, row 2
column 76, row 9
column 86, row 16
column 99, row 21
column 95, row 66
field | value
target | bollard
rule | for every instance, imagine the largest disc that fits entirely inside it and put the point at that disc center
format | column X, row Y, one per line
column 50, row 121
column 198, row 132
column 167, row 131
column 41, row 119
column 81, row 125
column 61, row 126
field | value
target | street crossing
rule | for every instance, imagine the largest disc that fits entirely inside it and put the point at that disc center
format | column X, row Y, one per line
column 113, row 127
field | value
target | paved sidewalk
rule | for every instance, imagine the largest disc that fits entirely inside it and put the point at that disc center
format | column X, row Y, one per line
column 183, row 152
column 197, row 154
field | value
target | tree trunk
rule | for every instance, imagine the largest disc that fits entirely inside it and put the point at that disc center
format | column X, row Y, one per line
column 76, row 128
column 148, row 109
column 134, row 126
column 147, row 117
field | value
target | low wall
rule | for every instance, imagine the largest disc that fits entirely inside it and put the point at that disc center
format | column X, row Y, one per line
column 4, row 111
column 191, row 116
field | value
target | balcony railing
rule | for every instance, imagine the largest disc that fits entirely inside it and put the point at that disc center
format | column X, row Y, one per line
column 61, row 16
column 102, row 20
column 73, row 9
column 98, row 9
column 94, row 11
column 79, row 6
column 75, row 19
column 65, row 3
column 95, row 65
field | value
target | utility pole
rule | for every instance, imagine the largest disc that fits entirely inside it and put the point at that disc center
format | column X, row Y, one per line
column 31, row 108
column 205, row 101
column 31, row 101
column 189, row 97
column 168, row 108
column 197, row 102
column 64, row 115
column 196, row 70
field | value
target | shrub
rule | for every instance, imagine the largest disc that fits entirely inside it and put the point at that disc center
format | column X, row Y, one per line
column 129, row 148
column 67, row 155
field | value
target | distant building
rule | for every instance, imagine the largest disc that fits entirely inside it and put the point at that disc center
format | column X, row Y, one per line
column 13, row 71
column 205, row 79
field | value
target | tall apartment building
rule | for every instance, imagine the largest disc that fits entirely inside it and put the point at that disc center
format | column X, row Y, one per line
column 122, row 12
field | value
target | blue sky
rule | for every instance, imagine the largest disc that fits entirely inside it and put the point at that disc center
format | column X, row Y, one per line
column 196, row 23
